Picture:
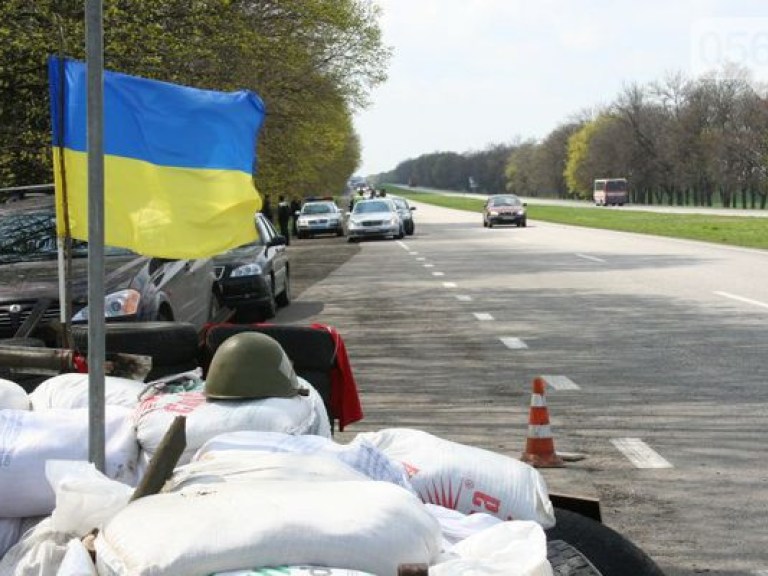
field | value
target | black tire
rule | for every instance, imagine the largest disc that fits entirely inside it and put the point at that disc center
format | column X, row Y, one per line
column 567, row 561
column 269, row 309
column 523, row 223
column 608, row 551
column 169, row 343
column 284, row 298
column 490, row 224
column 410, row 228
column 340, row 232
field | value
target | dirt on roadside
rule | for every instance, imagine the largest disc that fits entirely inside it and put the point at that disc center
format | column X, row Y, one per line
column 313, row 259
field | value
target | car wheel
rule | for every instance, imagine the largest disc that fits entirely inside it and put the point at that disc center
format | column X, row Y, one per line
column 608, row 551
column 523, row 223
column 269, row 309
column 340, row 232
column 400, row 233
column 284, row 298
column 410, row 228
column 351, row 240
column 490, row 224
column 173, row 346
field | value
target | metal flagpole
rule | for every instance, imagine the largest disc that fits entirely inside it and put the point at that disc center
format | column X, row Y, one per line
column 94, row 48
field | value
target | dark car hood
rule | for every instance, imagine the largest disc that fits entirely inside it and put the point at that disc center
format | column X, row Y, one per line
column 32, row 280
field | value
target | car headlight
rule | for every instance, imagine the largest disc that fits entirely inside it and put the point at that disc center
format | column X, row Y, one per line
column 493, row 213
column 117, row 304
column 520, row 212
column 394, row 220
column 354, row 223
column 303, row 221
column 246, row 270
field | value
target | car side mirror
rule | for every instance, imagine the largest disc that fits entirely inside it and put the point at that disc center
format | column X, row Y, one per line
column 278, row 240
column 525, row 204
column 157, row 263
column 413, row 207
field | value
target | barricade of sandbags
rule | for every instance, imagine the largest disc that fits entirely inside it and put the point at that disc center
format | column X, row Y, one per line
column 13, row 396
column 206, row 418
column 29, row 438
column 360, row 525
column 295, row 571
column 466, row 478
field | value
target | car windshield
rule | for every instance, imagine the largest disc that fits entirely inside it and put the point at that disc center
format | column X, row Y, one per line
column 368, row 207
column 27, row 236
column 400, row 203
column 317, row 209
column 506, row 201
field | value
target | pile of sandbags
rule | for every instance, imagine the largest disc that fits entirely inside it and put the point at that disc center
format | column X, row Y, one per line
column 261, row 489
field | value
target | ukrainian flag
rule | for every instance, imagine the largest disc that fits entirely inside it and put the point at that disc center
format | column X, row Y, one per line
column 178, row 163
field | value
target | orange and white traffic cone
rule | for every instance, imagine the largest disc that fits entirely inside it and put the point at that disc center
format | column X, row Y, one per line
column 540, row 446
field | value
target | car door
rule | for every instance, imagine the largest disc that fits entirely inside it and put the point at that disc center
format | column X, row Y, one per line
column 275, row 255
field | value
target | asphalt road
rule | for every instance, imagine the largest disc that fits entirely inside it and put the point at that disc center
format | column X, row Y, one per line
column 655, row 351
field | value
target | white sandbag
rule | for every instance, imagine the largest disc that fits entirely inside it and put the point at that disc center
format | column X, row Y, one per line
column 295, row 571
column 39, row 552
column 466, row 478
column 238, row 466
column 13, row 396
column 367, row 526
column 207, row 419
column 457, row 526
column 28, row 439
column 71, row 391
column 10, row 532
column 77, row 561
column 362, row 456
column 517, row 548
column 85, row 498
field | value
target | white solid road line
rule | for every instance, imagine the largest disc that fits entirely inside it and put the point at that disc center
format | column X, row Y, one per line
column 449, row 284
column 463, row 298
column 513, row 343
column 742, row 299
column 559, row 382
column 639, row 453
column 588, row 257
column 482, row 316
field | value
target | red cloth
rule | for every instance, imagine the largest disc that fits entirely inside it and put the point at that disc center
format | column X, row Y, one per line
column 345, row 402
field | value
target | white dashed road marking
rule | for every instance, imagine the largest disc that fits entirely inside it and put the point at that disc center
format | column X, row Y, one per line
column 588, row 257
column 639, row 453
column 560, row 382
column 420, row 259
column 429, row 265
column 449, row 284
column 513, row 343
column 438, row 273
column 483, row 316
column 463, row 298
column 742, row 299
column 403, row 245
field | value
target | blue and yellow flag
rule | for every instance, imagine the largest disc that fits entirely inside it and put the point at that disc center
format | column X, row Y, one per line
column 178, row 163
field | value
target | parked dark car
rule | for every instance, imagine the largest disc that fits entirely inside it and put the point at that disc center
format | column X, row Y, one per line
column 406, row 213
column 504, row 209
column 136, row 288
column 255, row 278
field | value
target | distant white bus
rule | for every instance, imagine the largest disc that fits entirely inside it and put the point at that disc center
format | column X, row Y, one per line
column 611, row 191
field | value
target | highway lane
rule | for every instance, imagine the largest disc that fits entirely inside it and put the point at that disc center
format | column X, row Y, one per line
column 655, row 349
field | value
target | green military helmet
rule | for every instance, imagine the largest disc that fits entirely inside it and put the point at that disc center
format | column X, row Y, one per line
column 251, row 365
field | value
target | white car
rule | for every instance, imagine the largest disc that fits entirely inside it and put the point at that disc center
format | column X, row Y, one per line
column 321, row 217
column 374, row 218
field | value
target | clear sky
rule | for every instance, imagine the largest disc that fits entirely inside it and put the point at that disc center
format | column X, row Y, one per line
column 469, row 73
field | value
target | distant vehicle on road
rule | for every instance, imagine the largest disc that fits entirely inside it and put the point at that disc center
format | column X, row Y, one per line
column 504, row 209
column 611, row 191
column 375, row 218
column 320, row 217
column 137, row 288
column 255, row 278
column 406, row 213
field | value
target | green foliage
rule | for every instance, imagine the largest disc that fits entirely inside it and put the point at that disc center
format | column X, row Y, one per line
column 312, row 62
